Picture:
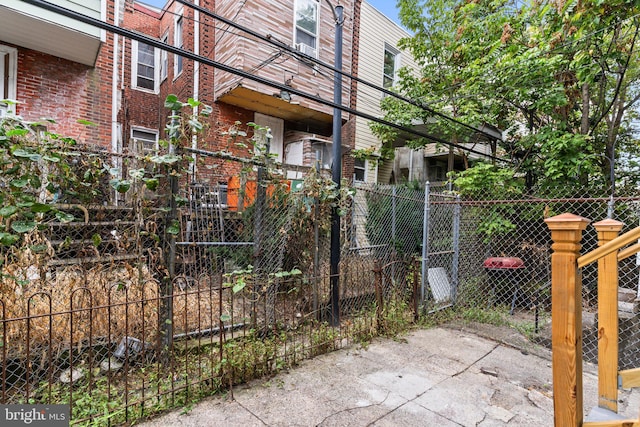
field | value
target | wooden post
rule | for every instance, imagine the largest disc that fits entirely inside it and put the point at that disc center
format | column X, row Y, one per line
column 608, row 230
column 566, row 318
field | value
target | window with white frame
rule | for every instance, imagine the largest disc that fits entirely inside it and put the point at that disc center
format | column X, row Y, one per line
column 145, row 140
column 8, row 73
column 360, row 170
column 306, row 26
column 145, row 73
column 164, row 59
column 391, row 65
column 178, row 41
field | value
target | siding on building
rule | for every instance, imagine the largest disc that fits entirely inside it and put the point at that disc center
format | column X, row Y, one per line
column 275, row 18
column 376, row 31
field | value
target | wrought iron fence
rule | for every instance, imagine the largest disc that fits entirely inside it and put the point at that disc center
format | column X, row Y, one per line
column 139, row 300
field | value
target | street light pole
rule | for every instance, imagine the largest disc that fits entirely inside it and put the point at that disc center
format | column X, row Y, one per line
column 336, row 168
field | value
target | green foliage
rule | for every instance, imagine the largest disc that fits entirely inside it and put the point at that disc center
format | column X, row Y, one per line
column 485, row 181
column 488, row 182
column 560, row 77
column 409, row 219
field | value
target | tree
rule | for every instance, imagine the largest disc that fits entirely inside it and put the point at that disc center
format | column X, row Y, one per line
column 559, row 75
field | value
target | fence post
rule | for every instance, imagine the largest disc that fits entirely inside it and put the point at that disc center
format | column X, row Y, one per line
column 608, row 230
column 424, row 276
column 566, row 318
column 377, row 271
column 166, row 307
column 455, row 272
column 414, row 283
column 258, row 244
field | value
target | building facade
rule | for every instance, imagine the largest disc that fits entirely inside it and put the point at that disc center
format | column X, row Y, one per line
column 120, row 84
column 380, row 59
column 60, row 69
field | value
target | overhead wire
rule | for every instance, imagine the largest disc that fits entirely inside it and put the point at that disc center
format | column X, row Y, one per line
column 190, row 55
column 311, row 60
column 383, row 90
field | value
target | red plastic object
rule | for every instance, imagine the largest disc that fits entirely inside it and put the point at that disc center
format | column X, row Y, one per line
column 503, row 263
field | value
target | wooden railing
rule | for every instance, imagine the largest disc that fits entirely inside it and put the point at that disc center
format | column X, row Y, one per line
column 566, row 318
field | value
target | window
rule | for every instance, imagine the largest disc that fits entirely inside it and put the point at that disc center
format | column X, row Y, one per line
column 306, row 28
column 390, row 69
column 145, row 72
column 178, row 42
column 8, row 72
column 164, row 60
column 359, row 170
column 145, row 141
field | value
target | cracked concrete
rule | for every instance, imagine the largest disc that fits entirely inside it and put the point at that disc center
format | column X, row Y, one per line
column 435, row 377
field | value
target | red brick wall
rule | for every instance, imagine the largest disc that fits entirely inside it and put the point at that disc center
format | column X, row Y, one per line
column 139, row 108
column 52, row 87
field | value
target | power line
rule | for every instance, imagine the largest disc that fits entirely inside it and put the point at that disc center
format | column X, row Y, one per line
column 198, row 58
column 309, row 59
column 330, row 67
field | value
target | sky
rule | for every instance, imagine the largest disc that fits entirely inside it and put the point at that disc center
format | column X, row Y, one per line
column 387, row 7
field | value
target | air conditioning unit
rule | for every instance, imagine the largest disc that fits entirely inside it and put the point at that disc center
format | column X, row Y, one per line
column 306, row 49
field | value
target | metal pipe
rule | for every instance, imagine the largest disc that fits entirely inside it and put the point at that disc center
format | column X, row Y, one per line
column 425, row 243
column 455, row 280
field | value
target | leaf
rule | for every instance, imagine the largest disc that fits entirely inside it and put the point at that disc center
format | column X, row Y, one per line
column 174, row 228
column 239, row 286
column 40, row 208
column 206, row 111
column 120, row 185
column 195, row 125
column 65, row 217
column 20, row 183
column 86, row 122
column 171, row 102
column 96, row 239
column 166, row 159
column 20, row 152
column 7, row 211
column 23, row 226
column 193, row 103
column 151, row 183
column 51, row 158
column 225, row 318
column 16, row 132
column 8, row 239
column 136, row 173
column 38, row 248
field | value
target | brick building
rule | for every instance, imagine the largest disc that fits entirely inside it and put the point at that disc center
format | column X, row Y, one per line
column 59, row 68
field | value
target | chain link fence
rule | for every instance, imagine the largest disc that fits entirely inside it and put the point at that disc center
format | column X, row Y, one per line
column 128, row 288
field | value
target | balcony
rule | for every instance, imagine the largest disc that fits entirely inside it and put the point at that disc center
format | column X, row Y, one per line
column 35, row 28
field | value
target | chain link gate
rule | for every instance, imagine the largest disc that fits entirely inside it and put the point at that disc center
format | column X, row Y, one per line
column 440, row 250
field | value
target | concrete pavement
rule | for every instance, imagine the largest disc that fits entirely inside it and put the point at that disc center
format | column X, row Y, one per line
column 443, row 377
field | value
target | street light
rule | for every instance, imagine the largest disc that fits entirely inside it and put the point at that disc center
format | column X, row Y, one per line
column 336, row 167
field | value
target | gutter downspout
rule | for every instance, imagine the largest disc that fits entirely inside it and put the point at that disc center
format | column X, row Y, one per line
column 114, row 88
column 196, row 83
